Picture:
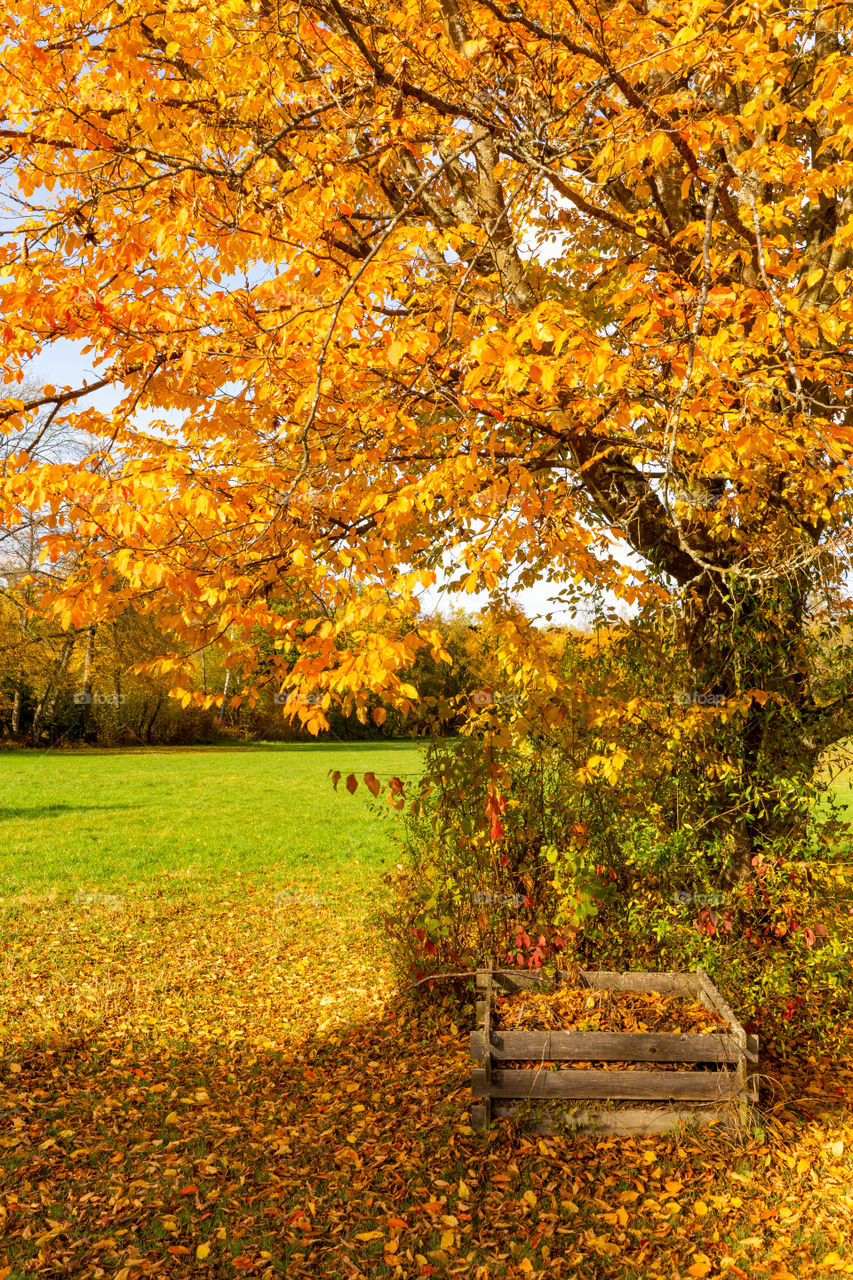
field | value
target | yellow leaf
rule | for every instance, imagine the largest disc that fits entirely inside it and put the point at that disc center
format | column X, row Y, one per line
column 699, row 1269
column 202, row 1251
column 464, row 1193
column 473, row 48
column 368, row 1235
column 446, row 1240
column 526, row 1266
column 700, row 1208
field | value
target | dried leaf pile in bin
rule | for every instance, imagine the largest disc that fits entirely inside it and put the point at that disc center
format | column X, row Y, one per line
column 581, row 1009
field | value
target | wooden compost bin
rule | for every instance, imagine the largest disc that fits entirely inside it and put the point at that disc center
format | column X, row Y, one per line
column 719, row 1094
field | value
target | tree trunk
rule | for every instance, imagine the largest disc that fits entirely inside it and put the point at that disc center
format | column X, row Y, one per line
column 46, row 707
column 17, row 706
column 150, row 725
column 86, row 691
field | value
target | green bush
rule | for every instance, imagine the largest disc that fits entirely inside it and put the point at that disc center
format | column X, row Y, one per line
column 603, row 820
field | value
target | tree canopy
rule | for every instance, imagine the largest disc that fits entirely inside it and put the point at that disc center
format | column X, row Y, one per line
column 514, row 284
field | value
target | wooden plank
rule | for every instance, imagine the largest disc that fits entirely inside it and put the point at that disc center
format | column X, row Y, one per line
column 486, row 1069
column 707, row 987
column 510, row 981
column 478, row 1117
column 737, row 1033
column 751, row 1048
column 606, row 1046
column 633, row 1120
column 686, row 984
column 689, row 1085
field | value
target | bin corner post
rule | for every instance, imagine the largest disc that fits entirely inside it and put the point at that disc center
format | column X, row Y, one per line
column 481, row 1115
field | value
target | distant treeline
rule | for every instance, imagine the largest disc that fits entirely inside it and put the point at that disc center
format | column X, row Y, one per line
column 81, row 684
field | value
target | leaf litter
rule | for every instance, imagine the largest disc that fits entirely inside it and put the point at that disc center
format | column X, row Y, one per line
column 207, row 1086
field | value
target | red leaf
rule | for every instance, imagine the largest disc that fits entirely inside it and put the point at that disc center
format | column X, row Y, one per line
column 351, row 783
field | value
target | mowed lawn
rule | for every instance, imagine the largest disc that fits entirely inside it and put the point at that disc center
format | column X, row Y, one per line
column 132, row 820
column 207, row 1067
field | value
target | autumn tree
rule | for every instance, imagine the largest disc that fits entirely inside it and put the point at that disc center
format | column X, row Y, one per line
column 526, row 285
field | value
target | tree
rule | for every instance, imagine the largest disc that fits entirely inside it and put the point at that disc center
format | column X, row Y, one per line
column 524, row 284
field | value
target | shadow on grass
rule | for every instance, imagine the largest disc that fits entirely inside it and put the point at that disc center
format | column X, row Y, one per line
column 57, row 810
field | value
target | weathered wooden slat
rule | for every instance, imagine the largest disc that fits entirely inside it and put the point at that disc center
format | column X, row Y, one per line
column 633, row 1120
column 686, row 984
column 607, row 1046
column 507, row 982
column 751, row 1048
column 486, row 1069
column 707, row 987
column 478, row 1117
column 698, row 1086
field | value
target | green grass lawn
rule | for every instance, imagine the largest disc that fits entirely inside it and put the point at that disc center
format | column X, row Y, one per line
column 110, row 819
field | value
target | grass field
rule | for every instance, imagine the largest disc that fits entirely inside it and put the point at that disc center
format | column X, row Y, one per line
column 130, row 819
column 206, row 1070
